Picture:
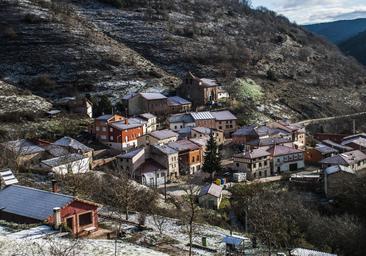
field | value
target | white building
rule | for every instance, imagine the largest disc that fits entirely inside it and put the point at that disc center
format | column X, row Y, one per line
column 286, row 159
column 73, row 163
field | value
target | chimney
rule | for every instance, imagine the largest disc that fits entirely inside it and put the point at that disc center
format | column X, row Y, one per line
column 126, row 120
column 55, row 188
column 57, row 217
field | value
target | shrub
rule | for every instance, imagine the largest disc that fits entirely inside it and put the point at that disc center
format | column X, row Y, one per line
column 244, row 89
column 43, row 82
column 10, row 33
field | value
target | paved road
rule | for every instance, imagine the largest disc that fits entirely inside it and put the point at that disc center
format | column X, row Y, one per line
column 310, row 121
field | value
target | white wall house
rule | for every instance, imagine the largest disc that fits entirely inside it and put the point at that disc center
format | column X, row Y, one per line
column 73, row 163
column 286, row 159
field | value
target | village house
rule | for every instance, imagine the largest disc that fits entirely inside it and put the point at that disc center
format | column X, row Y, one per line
column 158, row 138
column 168, row 158
column 77, row 105
column 334, row 178
column 100, row 127
column 177, row 104
column 72, row 163
column 255, row 163
column 269, row 142
column 74, row 146
column 180, row 121
column 152, row 174
column 339, row 147
column 356, row 160
column 123, row 135
column 225, row 121
column 285, row 159
column 210, row 196
column 151, row 120
column 200, row 132
column 318, row 153
column 116, row 132
column 129, row 162
column 33, row 206
column 201, row 91
column 356, row 142
column 256, row 133
column 23, row 152
column 297, row 131
column 144, row 102
column 190, row 156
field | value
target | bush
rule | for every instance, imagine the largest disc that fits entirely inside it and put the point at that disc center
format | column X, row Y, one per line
column 245, row 89
column 44, row 83
column 10, row 33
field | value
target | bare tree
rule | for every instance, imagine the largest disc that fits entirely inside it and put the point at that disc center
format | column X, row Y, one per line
column 159, row 220
column 190, row 212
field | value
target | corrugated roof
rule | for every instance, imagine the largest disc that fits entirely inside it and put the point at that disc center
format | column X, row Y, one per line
column 269, row 141
column 223, row 115
column 335, row 145
column 202, row 115
column 57, row 161
column 72, row 143
column 152, row 95
column 360, row 141
column 30, row 202
column 211, row 189
column 23, row 147
column 176, row 101
column 245, row 131
column 163, row 134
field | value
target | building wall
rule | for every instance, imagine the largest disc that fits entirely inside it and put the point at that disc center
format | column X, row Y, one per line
column 127, row 137
column 79, row 166
column 209, row 123
column 209, row 201
column 255, row 168
column 174, row 109
column 283, row 163
column 243, row 139
column 313, row 156
column 136, row 106
column 73, row 211
column 170, row 162
column 157, row 106
column 228, row 126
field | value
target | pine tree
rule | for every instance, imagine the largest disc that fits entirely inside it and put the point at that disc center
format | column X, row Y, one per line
column 212, row 163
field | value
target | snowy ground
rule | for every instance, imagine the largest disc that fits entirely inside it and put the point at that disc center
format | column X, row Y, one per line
column 42, row 241
column 175, row 231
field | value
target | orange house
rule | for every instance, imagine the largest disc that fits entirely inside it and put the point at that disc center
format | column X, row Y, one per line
column 190, row 155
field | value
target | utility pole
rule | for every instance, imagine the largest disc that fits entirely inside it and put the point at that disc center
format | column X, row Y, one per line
column 354, row 126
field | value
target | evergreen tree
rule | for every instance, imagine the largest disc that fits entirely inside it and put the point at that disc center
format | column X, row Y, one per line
column 212, row 163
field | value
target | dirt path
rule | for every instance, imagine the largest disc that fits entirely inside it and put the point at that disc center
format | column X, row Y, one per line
column 310, row 121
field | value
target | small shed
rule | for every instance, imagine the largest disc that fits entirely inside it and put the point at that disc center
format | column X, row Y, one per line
column 210, row 196
column 28, row 205
column 235, row 245
column 307, row 252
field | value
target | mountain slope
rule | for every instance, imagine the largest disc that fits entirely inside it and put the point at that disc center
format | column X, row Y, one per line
column 338, row 31
column 38, row 39
column 123, row 49
column 356, row 47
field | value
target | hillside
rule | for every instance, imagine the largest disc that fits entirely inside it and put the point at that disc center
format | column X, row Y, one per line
column 338, row 31
column 89, row 46
column 356, row 46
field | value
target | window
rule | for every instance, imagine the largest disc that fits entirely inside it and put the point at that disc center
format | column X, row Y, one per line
column 260, row 164
column 237, row 164
column 104, row 129
column 157, row 175
column 85, row 219
column 192, row 159
column 111, row 129
column 103, row 137
column 97, row 128
column 260, row 174
column 265, row 163
column 111, row 138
